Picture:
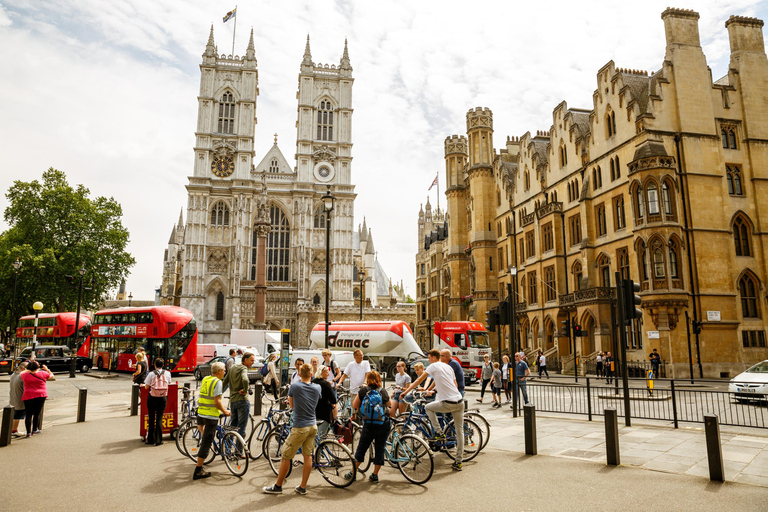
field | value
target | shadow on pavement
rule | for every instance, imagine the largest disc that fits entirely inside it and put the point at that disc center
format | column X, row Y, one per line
column 123, row 447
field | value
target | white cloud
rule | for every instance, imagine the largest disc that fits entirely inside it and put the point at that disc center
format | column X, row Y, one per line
column 105, row 90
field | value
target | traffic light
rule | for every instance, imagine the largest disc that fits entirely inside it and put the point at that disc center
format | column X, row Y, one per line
column 492, row 319
column 504, row 312
column 696, row 325
column 631, row 300
column 577, row 332
column 566, row 327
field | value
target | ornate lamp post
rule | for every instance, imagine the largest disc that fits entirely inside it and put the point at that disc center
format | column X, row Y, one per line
column 72, row 366
column 16, row 267
column 130, row 295
column 37, row 306
column 361, row 276
column 328, row 201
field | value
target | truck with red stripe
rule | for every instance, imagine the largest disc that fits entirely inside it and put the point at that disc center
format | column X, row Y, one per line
column 384, row 342
column 468, row 342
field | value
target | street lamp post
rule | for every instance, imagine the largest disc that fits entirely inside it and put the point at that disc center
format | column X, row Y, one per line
column 130, row 295
column 513, row 335
column 361, row 276
column 73, row 355
column 16, row 267
column 37, row 306
column 328, row 200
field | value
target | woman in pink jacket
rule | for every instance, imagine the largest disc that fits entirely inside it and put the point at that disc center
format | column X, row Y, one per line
column 35, row 393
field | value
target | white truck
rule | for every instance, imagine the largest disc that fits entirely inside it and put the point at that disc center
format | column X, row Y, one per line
column 265, row 342
column 383, row 342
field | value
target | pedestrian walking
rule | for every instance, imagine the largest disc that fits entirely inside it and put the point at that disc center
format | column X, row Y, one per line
column 506, row 377
column 141, row 369
column 238, row 383
column 448, row 400
column 302, row 398
column 599, row 364
column 541, row 361
column 522, row 373
column 608, row 368
column 209, row 408
column 447, row 358
column 157, row 383
column 496, row 386
column 373, row 402
column 486, row 374
column 325, row 411
column 272, row 378
column 16, row 392
column 230, row 361
column 655, row 358
column 35, row 392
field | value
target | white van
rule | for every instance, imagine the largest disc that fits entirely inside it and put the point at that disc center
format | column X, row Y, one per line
column 207, row 351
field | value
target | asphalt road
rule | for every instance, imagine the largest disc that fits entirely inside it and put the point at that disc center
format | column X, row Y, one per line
column 102, row 465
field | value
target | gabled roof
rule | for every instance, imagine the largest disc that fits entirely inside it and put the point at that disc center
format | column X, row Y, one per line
column 274, row 153
column 639, row 87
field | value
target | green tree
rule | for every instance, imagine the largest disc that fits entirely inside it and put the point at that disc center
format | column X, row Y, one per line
column 54, row 230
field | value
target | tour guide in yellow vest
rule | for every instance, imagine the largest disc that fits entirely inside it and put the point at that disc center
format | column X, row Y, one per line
column 209, row 407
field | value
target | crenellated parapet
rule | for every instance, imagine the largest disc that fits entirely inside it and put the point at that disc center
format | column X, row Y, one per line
column 455, row 144
column 479, row 117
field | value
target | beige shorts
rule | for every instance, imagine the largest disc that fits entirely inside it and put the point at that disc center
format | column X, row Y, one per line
column 304, row 438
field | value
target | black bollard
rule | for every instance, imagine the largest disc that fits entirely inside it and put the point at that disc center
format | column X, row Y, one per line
column 530, row 429
column 7, row 426
column 81, row 403
column 612, row 437
column 257, row 389
column 714, row 449
column 135, row 392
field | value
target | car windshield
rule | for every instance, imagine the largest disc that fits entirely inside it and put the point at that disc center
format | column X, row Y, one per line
column 759, row 368
column 478, row 339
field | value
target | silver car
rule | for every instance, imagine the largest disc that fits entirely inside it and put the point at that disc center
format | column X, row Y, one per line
column 751, row 384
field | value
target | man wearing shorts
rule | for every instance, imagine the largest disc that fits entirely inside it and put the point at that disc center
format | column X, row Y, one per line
column 302, row 398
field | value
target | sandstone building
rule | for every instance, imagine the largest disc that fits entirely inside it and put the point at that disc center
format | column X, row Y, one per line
column 662, row 180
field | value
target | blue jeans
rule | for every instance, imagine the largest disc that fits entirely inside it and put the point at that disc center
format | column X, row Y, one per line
column 239, row 418
column 523, row 386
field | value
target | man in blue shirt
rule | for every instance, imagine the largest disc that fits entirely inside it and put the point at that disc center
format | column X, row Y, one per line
column 523, row 372
column 447, row 358
column 302, row 398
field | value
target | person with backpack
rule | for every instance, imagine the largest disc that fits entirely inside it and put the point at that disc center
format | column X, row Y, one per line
column 333, row 367
column 269, row 374
column 157, row 383
column 373, row 402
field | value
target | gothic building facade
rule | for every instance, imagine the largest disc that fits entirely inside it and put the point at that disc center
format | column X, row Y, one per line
column 662, row 181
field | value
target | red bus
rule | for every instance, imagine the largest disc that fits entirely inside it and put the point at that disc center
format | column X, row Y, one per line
column 55, row 329
column 169, row 332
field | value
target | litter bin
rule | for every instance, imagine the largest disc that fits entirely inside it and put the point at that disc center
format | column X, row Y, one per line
column 170, row 416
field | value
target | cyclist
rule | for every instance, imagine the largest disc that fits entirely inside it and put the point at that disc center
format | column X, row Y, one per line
column 402, row 379
column 209, row 407
column 237, row 381
column 302, row 398
column 447, row 358
column 373, row 402
column 357, row 372
column 427, row 388
column 448, row 400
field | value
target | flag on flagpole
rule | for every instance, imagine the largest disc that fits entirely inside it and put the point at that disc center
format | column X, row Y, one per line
column 231, row 14
column 434, row 183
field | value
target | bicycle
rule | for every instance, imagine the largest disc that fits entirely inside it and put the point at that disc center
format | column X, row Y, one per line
column 408, row 453
column 331, row 459
column 188, row 418
column 273, row 418
column 485, row 426
column 227, row 442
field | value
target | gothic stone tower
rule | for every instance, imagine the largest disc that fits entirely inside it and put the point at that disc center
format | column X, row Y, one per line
column 482, row 210
column 457, row 195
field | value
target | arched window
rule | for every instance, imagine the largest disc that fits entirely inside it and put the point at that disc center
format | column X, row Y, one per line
column 733, row 176
column 618, row 168
column 741, row 237
column 274, row 166
column 563, row 156
column 325, row 121
column 613, row 170
column 610, row 124
column 577, row 188
column 604, row 266
column 642, row 261
column 674, row 260
column 220, row 306
column 278, row 248
column 220, row 214
column 570, row 192
column 748, row 291
column 653, row 199
column 657, row 255
column 613, row 121
column 639, row 204
column 527, row 180
column 226, row 113
column 577, row 273
column 732, row 139
column 666, row 200
column 724, row 137
column 320, row 216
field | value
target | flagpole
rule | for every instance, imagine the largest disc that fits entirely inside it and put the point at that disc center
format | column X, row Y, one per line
column 234, row 32
column 438, row 190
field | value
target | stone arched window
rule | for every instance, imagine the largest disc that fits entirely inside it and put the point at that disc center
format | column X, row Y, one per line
column 220, row 214
column 652, row 193
column 674, row 259
column 578, row 272
column 610, row 124
column 278, row 246
column 733, row 177
column 668, row 199
column 638, row 202
column 226, row 113
column 728, row 136
column 220, row 306
column 741, row 236
column 274, row 166
column 748, row 288
column 319, row 217
column 642, row 260
column 604, row 267
column 325, row 120
column 617, row 167
column 658, row 260
column 527, row 180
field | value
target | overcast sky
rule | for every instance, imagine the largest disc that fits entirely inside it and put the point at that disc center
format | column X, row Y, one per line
column 106, row 90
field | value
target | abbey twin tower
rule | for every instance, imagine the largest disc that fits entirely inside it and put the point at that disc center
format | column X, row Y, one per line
column 210, row 265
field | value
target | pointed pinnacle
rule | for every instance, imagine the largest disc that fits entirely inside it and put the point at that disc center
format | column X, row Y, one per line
column 250, row 42
column 307, row 54
column 210, row 37
column 346, row 50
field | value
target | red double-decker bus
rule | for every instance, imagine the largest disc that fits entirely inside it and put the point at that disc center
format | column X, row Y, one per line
column 169, row 332
column 55, row 329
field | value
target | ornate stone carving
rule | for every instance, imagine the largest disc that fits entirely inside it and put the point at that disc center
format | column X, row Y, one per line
column 217, row 262
column 324, row 154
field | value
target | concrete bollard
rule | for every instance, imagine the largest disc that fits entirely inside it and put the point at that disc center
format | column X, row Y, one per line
column 714, row 448
column 135, row 393
column 82, row 398
column 530, row 429
column 612, row 437
column 7, row 426
column 257, row 390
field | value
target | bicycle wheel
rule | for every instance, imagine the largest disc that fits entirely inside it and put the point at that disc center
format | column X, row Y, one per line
column 335, row 463
column 180, row 436
column 273, row 449
column 256, row 440
column 191, row 443
column 473, row 440
column 485, row 427
column 414, row 458
column 235, row 454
